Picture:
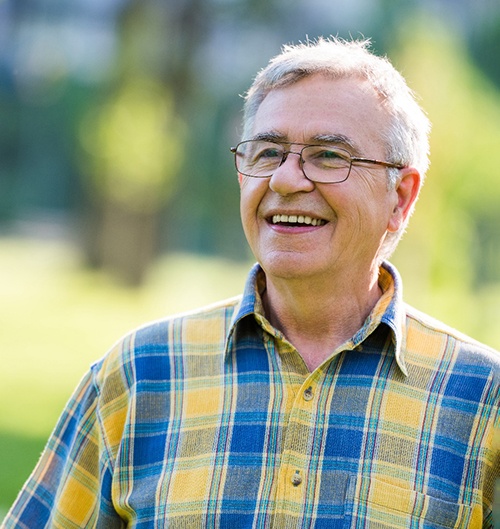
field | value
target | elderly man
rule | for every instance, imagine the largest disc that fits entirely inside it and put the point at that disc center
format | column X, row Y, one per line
column 317, row 399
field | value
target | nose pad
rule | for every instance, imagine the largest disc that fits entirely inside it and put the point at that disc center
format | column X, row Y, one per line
column 285, row 157
column 288, row 179
column 300, row 161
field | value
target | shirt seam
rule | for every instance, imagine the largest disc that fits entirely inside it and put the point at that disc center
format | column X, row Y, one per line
column 109, row 460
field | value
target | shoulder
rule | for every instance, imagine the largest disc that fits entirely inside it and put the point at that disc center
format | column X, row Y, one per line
column 435, row 327
column 435, row 342
column 146, row 352
column 140, row 371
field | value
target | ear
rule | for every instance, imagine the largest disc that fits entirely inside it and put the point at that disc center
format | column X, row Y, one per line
column 406, row 190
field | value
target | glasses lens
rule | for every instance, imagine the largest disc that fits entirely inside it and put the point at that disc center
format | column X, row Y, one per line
column 258, row 158
column 326, row 164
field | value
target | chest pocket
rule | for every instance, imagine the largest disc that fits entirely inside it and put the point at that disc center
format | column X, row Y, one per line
column 378, row 505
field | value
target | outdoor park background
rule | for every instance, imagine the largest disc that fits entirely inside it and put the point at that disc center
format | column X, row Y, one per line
column 118, row 198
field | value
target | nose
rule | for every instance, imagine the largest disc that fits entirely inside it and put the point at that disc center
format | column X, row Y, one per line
column 289, row 177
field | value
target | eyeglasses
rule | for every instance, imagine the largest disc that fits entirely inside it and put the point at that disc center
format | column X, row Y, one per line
column 319, row 163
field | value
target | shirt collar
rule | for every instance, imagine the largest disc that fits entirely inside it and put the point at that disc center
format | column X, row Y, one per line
column 388, row 310
column 251, row 302
column 392, row 310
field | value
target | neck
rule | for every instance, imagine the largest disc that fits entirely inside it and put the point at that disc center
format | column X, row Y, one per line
column 317, row 317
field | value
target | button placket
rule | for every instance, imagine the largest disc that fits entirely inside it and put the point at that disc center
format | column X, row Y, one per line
column 294, row 482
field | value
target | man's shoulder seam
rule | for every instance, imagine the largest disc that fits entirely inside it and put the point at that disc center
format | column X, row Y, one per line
column 438, row 327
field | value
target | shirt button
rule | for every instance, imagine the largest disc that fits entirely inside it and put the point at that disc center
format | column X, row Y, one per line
column 308, row 393
column 296, row 479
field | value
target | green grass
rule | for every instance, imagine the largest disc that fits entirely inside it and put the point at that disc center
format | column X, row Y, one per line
column 57, row 318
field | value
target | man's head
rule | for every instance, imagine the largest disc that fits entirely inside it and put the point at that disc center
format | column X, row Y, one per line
column 406, row 136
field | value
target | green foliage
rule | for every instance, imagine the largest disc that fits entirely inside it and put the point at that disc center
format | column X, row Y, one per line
column 134, row 145
column 449, row 257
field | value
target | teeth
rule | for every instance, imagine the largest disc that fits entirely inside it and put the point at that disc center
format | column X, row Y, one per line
column 297, row 219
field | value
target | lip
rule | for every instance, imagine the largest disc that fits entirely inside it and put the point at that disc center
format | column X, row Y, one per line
column 294, row 230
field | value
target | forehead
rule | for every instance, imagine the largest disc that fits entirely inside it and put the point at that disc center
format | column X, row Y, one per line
column 319, row 106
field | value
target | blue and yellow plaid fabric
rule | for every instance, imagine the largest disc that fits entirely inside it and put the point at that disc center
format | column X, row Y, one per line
column 212, row 420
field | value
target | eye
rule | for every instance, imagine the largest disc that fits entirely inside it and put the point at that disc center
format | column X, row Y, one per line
column 268, row 152
column 326, row 157
column 329, row 154
column 264, row 153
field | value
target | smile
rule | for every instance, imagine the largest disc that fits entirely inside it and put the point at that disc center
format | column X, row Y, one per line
column 297, row 219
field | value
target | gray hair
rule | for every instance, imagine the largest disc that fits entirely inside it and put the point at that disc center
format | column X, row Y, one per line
column 407, row 137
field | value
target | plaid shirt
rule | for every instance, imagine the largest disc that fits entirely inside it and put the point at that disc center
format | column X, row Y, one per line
column 212, row 420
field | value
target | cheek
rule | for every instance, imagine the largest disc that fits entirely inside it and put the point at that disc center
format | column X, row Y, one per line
column 363, row 208
column 250, row 199
column 252, row 191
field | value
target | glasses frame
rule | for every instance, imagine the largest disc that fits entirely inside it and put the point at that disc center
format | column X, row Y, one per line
column 353, row 160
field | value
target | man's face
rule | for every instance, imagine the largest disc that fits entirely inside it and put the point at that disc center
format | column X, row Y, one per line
column 352, row 217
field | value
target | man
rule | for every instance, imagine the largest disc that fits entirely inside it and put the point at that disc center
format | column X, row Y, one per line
column 318, row 399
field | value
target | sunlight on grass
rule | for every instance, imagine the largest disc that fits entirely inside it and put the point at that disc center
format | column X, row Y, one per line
column 57, row 319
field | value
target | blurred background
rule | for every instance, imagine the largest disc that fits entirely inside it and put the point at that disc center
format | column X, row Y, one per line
column 118, row 198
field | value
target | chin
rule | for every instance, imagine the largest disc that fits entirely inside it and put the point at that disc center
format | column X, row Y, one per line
column 289, row 267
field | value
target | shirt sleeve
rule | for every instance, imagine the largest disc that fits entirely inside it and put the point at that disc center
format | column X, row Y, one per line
column 71, row 484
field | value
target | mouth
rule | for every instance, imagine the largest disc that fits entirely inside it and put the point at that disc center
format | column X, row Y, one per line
column 296, row 220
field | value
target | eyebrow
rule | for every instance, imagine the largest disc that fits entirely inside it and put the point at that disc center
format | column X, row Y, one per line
column 339, row 140
column 270, row 136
